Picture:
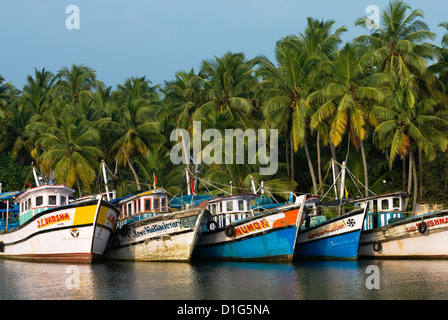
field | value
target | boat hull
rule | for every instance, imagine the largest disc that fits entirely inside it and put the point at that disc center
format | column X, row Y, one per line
column 269, row 236
column 72, row 233
column 166, row 237
column 336, row 238
column 404, row 240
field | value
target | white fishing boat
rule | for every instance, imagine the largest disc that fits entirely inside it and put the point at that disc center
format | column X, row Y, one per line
column 149, row 231
column 52, row 229
column 389, row 233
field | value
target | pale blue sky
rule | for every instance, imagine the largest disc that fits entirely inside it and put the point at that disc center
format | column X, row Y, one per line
column 157, row 38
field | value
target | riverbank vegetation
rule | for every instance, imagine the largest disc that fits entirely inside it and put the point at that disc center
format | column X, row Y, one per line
column 379, row 102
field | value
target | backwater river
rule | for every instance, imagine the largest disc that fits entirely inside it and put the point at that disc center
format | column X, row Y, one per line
column 236, row 281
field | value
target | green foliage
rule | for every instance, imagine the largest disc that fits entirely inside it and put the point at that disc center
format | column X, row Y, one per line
column 12, row 176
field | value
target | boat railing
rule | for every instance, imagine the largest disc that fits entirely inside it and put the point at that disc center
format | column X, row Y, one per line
column 138, row 217
column 221, row 220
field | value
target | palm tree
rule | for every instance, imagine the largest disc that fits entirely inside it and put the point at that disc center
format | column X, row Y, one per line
column 318, row 38
column 136, row 88
column 14, row 133
column 397, row 42
column 71, row 149
column 347, row 96
column 320, row 41
column 37, row 91
column 130, row 124
column 440, row 67
column 408, row 120
column 183, row 96
column 76, row 83
column 228, row 85
column 6, row 92
column 284, row 91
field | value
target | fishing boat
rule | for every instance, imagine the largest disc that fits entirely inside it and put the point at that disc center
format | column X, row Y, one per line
column 51, row 228
column 148, row 230
column 335, row 238
column 389, row 233
column 330, row 235
column 239, row 232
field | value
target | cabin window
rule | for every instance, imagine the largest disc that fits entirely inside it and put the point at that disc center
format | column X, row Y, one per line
column 396, row 203
column 385, row 204
column 39, row 201
column 52, row 200
column 63, row 201
column 163, row 204
column 129, row 208
column 147, row 204
column 241, row 205
column 156, row 204
column 28, row 204
column 229, row 205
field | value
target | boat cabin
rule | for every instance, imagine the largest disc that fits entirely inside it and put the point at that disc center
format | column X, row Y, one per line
column 143, row 205
column 383, row 209
column 41, row 198
column 228, row 209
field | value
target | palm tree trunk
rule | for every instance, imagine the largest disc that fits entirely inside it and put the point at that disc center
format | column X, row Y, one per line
column 420, row 171
column 291, row 145
column 310, row 165
column 131, row 167
column 414, row 203
column 288, row 169
column 79, row 187
column 319, row 164
column 404, row 172
column 411, row 164
column 364, row 162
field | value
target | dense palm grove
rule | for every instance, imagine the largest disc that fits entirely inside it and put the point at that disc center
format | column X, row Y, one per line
column 379, row 102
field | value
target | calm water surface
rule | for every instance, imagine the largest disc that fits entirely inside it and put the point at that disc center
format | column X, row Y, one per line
column 335, row 280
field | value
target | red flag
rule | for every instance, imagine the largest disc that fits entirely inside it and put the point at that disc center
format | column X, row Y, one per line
column 192, row 186
column 155, row 179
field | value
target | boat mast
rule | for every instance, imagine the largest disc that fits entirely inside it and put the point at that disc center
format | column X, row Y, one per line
column 103, row 166
column 341, row 194
column 334, row 180
column 35, row 175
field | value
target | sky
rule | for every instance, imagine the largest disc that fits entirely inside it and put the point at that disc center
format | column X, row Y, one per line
column 157, row 38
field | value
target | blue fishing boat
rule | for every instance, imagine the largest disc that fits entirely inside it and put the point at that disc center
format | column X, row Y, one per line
column 237, row 232
column 321, row 237
column 336, row 238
